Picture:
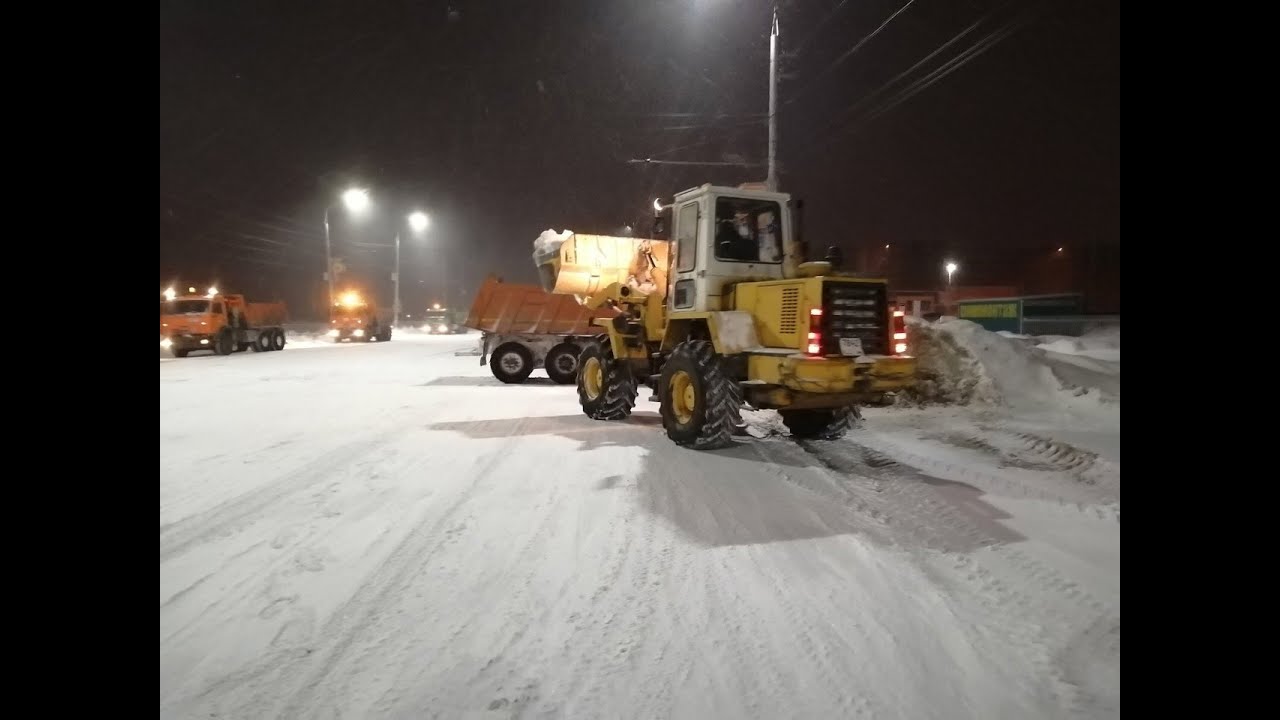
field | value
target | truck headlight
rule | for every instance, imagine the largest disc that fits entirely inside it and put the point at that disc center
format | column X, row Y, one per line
column 358, row 332
column 166, row 343
column 442, row 328
column 333, row 333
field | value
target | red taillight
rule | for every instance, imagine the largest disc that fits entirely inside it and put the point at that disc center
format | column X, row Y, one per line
column 899, row 332
column 815, row 332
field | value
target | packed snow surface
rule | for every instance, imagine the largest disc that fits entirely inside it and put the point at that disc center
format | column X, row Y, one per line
column 383, row 530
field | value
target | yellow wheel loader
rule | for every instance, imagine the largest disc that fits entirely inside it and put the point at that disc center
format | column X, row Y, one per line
column 725, row 312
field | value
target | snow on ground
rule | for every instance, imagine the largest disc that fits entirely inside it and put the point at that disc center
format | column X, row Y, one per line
column 385, row 530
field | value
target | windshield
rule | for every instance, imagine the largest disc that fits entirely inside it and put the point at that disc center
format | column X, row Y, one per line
column 748, row 230
column 179, row 307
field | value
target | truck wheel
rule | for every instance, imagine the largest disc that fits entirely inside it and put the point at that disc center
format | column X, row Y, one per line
column 263, row 343
column 386, row 336
column 606, row 388
column 180, row 353
column 511, row 363
column 699, row 408
column 277, row 339
column 830, row 424
column 562, row 363
column 224, row 344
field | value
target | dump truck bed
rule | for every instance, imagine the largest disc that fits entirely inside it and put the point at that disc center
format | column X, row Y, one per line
column 512, row 309
column 265, row 314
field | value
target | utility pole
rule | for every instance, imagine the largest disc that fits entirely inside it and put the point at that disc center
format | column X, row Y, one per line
column 395, row 305
column 772, row 181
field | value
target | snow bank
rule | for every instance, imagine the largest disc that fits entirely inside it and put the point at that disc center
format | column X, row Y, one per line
column 962, row 363
column 1101, row 344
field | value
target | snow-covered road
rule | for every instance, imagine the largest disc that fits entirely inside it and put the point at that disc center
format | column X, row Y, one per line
column 384, row 530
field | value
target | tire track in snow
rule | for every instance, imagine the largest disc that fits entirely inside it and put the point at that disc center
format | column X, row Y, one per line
column 1015, row 604
column 179, row 537
column 1082, row 497
column 353, row 619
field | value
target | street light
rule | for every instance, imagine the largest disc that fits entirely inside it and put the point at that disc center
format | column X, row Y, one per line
column 356, row 200
column 951, row 268
column 170, row 294
column 418, row 222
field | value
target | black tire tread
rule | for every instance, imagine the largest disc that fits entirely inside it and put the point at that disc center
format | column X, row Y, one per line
column 618, row 394
column 553, row 372
column 723, row 403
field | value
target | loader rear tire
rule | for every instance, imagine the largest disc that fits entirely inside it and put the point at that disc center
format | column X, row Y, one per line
column 831, row 424
column 511, row 363
column 606, row 387
column 562, row 364
column 701, row 408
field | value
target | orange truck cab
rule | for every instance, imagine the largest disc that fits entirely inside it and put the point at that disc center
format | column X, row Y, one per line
column 353, row 317
column 220, row 323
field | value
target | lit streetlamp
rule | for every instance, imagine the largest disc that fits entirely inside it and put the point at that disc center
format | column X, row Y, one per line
column 418, row 222
column 951, row 268
column 356, row 200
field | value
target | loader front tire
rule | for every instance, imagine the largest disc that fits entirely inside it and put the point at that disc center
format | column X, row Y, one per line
column 700, row 406
column 606, row 387
column 511, row 363
column 829, row 424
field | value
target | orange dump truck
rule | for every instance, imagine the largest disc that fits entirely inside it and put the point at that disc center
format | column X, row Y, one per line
column 358, row 318
column 524, row 327
column 220, row 323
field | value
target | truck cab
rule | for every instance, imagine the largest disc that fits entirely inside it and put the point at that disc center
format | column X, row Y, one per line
column 724, row 236
column 355, row 317
column 192, row 322
column 441, row 320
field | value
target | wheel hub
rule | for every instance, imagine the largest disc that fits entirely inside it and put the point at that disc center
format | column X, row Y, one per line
column 592, row 377
column 512, row 362
column 684, row 398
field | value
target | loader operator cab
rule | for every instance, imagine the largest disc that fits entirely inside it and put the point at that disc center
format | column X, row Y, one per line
column 724, row 236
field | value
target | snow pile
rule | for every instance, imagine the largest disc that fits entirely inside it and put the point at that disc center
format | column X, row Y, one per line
column 548, row 245
column 947, row 372
column 962, row 363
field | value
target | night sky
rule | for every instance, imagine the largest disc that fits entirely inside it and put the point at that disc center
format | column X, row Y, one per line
column 503, row 118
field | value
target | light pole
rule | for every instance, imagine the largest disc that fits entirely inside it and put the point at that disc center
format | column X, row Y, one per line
column 951, row 268
column 356, row 200
column 418, row 222
column 771, row 181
